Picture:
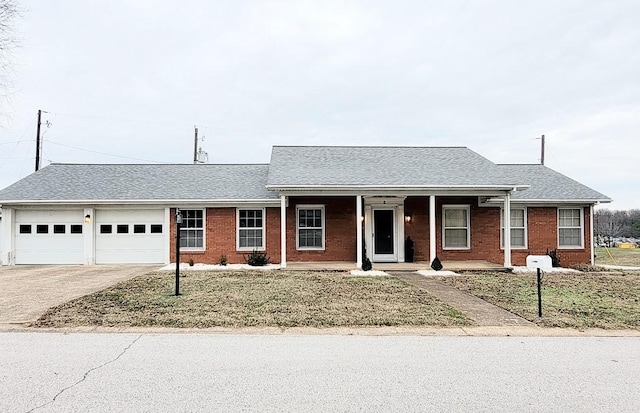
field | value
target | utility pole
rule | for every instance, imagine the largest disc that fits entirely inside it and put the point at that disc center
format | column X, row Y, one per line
column 195, row 146
column 542, row 151
column 38, row 141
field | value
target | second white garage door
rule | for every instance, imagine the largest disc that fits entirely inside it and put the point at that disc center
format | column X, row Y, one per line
column 130, row 236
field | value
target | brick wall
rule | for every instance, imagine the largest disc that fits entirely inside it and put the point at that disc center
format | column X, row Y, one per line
column 221, row 237
column 542, row 227
column 340, row 229
column 340, row 233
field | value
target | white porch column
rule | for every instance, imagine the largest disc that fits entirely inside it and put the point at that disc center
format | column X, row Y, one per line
column 359, row 232
column 591, row 233
column 432, row 228
column 507, row 230
column 88, row 235
column 283, row 231
column 7, row 256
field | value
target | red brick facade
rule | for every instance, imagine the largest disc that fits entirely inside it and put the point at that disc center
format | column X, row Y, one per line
column 340, row 233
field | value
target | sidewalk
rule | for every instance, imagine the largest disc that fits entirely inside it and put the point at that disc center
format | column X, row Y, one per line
column 482, row 312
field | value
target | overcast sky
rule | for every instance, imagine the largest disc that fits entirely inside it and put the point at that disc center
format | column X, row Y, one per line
column 132, row 78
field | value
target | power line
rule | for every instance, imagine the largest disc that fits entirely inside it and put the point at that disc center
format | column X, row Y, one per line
column 102, row 153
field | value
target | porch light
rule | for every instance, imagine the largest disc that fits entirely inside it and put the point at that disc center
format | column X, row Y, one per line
column 87, row 218
column 407, row 217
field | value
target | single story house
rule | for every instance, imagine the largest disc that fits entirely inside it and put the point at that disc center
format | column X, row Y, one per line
column 309, row 204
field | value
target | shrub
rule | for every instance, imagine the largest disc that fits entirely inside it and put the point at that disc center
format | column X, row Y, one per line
column 191, row 262
column 223, row 260
column 366, row 264
column 257, row 259
column 555, row 260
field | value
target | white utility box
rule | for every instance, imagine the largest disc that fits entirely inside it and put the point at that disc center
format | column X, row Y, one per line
column 539, row 261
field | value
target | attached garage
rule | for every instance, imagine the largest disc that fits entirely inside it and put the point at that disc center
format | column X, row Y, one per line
column 130, row 236
column 49, row 237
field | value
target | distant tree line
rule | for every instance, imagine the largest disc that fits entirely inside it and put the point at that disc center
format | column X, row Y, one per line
column 616, row 224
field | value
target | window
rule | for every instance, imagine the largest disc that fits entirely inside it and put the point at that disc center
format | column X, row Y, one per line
column 139, row 229
column 310, row 227
column 122, row 229
column 25, row 229
column 192, row 229
column 518, row 228
column 42, row 229
column 105, row 229
column 455, row 225
column 59, row 229
column 76, row 229
column 570, row 228
column 250, row 229
column 155, row 228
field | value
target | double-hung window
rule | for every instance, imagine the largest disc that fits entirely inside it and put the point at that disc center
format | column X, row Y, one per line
column 570, row 228
column 455, row 227
column 518, row 228
column 310, row 227
column 192, row 229
column 251, row 231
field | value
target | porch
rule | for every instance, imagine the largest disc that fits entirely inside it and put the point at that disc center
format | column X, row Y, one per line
column 472, row 265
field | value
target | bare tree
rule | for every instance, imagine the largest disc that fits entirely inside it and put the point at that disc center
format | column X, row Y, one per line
column 8, row 43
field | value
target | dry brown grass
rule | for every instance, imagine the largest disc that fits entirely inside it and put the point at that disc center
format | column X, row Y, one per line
column 603, row 300
column 260, row 299
column 621, row 256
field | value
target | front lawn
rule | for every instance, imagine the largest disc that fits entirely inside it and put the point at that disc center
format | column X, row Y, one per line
column 621, row 256
column 260, row 299
column 600, row 300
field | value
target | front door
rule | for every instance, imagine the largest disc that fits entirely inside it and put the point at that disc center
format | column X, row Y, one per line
column 384, row 243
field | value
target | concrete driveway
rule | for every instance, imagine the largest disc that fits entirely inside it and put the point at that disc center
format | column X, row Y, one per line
column 28, row 291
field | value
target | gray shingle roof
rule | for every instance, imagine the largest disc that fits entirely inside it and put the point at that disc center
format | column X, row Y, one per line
column 384, row 166
column 59, row 182
column 547, row 184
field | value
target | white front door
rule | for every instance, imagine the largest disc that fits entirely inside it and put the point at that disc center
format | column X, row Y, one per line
column 384, row 235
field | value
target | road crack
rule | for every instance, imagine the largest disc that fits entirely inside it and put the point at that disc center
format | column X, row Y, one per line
column 86, row 374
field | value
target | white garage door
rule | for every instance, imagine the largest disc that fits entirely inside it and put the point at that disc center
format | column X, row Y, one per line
column 130, row 236
column 49, row 237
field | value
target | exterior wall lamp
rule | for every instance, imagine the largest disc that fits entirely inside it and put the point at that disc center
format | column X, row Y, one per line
column 407, row 217
column 87, row 219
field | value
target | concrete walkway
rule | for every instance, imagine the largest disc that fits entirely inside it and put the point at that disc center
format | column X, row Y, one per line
column 482, row 312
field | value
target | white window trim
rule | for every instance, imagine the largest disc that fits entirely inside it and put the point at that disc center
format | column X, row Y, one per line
column 264, row 229
column 526, row 229
column 571, row 247
column 467, row 208
column 324, row 227
column 204, row 230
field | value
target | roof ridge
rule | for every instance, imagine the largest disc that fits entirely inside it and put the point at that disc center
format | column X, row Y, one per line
column 157, row 164
column 367, row 146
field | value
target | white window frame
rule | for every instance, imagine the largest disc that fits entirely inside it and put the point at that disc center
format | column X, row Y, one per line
column 323, row 215
column 525, row 228
column 204, row 229
column 581, row 228
column 263, row 228
column 467, row 209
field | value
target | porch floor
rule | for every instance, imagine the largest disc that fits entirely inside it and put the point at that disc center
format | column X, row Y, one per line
column 476, row 265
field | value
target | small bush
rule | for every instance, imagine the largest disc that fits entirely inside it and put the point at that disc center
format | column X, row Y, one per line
column 555, row 260
column 257, row 259
column 223, row 260
column 191, row 262
column 366, row 264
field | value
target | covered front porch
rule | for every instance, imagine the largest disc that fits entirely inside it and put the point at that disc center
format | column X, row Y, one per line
column 378, row 226
column 471, row 265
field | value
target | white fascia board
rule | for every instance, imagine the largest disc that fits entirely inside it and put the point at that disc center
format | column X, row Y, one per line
column 552, row 201
column 283, row 188
column 158, row 202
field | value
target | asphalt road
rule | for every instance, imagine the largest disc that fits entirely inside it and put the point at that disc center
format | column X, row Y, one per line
column 46, row 372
